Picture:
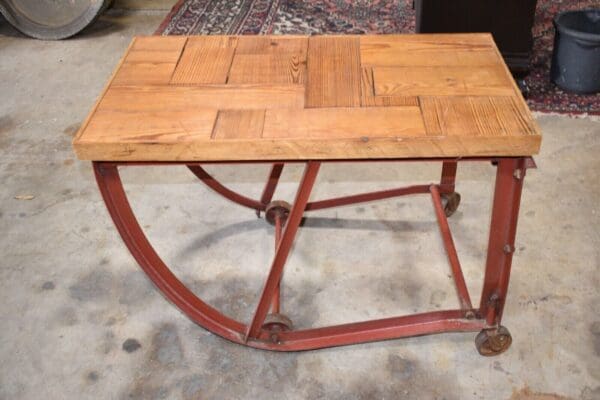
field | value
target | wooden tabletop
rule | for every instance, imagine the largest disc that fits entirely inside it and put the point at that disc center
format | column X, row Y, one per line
column 211, row 98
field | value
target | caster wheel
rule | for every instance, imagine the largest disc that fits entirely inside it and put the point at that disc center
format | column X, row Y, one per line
column 277, row 323
column 450, row 202
column 491, row 342
column 280, row 208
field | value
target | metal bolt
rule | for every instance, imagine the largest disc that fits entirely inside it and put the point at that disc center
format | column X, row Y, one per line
column 494, row 298
column 518, row 174
column 508, row 249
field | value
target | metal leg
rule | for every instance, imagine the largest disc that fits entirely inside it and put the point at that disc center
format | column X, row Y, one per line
column 448, row 178
column 503, row 228
column 276, row 322
column 450, row 198
column 270, row 186
column 269, row 190
column 283, row 250
column 276, row 304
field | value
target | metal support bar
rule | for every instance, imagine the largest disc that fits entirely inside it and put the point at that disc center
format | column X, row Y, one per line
column 503, row 229
column 370, row 331
column 459, row 279
column 365, row 197
column 283, row 250
column 212, row 183
column 448, row 179
column 276, row 303
column 271, row 185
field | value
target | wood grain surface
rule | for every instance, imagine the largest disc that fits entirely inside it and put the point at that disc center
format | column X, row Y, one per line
column 223, row 98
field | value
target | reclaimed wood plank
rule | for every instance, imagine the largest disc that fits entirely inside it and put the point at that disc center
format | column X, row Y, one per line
column 344, row 122
column 239, row 124
column 269, row 60
column 144, row 73
column 182, row 126
column 333, row 72
column 205, row 59
column 92, row 113
column 309, row 148
column 428, row 50
column 149, row 61
column 475, row 116
column 268, row 69
column 441, row 81
column 221, row 97
column 368, row 98
column 278, row 44
column 146, row 49
column 431, row 116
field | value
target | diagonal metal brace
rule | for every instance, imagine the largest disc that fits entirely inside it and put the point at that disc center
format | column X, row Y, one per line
column 283, row 249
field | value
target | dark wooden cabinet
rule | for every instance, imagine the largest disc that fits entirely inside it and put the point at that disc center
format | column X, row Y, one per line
column 510, row 21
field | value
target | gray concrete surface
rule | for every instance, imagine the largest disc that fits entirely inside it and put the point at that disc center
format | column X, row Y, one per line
column 80, row 321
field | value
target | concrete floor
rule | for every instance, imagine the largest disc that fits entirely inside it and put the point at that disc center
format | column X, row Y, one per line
column 79, row 319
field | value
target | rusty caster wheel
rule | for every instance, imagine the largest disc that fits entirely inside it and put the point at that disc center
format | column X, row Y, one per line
column 450, row 201
column 278, row 207
column 491, row 342
column 275, row 323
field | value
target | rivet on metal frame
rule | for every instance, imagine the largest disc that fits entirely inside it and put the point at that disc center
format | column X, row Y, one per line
column 275, row 338
column 518, row 174
column 493, row 300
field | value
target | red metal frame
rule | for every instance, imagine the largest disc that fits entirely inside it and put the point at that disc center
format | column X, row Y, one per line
column 509, row 182
column 212, row 183
column 276, row 303
column 272, row 182
column 459, row 279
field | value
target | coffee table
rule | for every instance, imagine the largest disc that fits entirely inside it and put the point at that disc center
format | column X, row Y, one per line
column 312, row 100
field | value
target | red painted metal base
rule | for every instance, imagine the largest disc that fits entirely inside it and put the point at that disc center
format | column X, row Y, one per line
column 274, row 331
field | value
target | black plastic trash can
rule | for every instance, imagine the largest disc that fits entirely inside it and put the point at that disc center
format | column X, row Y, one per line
column 576, row 58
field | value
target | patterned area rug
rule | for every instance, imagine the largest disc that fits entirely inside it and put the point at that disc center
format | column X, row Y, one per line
column 260, row 17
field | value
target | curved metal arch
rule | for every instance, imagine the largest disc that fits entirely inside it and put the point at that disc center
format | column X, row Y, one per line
column 229, row 194
column 115, row 198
